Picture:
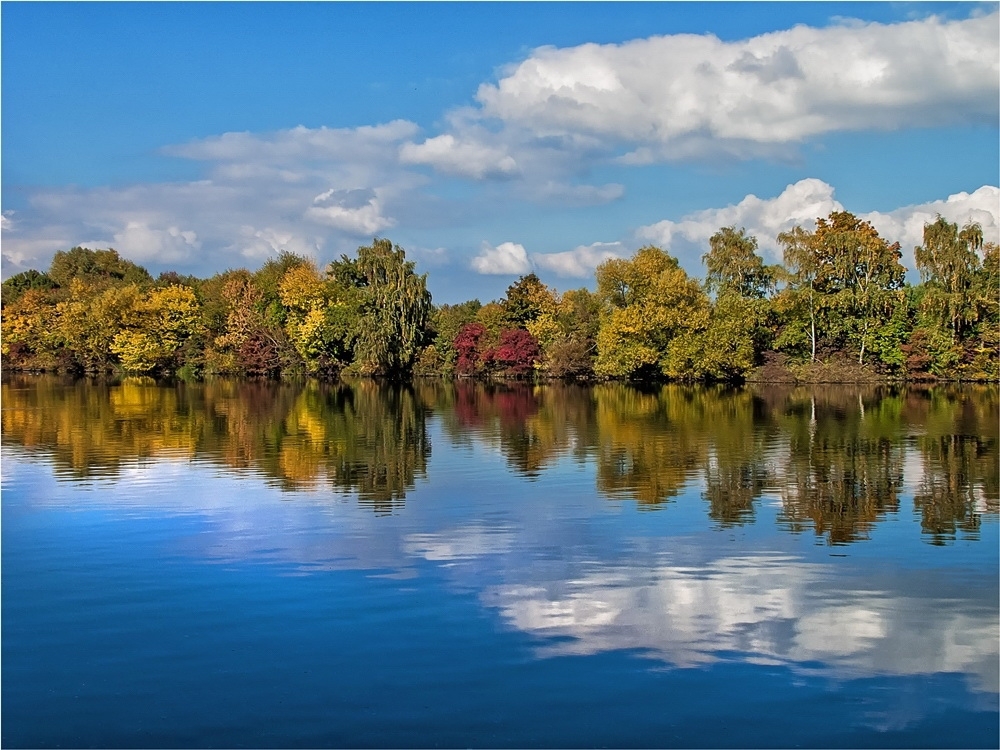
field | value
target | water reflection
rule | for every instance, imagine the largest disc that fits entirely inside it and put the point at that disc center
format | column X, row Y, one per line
column 361, row 437
column 765, row 609
column 838, row 458
column 527, row 511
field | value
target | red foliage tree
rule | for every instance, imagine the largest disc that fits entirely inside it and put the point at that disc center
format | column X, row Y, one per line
column 466, row 344
column 516, row 354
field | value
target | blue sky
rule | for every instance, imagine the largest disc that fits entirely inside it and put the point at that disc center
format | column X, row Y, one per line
column 489, row 140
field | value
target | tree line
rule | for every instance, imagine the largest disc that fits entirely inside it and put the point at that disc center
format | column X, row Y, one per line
column 839, row 296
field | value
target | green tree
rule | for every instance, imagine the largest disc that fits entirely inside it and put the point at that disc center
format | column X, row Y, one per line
column 445, row 323
column 96, row 267
column 985, row 342
column 864, row 277
column 845, row 285
column 16, row 285
column 739, row 329
column 733, row 264
column 526, row 300
column 392, row 311
column 948, row 262
column 800, row 299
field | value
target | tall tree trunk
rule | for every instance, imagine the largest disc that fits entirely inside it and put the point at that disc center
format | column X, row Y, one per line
column 812, row 324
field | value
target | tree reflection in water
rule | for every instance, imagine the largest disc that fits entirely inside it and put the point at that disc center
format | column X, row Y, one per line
column 363, row 437
column 837, row 459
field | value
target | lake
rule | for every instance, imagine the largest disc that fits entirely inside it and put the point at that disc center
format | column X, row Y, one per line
column 279, row 565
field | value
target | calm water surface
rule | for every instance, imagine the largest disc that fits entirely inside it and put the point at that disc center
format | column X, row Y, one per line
column 240, row 564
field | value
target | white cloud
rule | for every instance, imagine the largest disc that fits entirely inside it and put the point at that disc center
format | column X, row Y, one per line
column 506, row 258
column 581, row 261
column 798, row 204
column 906, row 225
column 257, row 244
column 301, row 190
column 464, row 157
column 806, row 200
column 141, row 242
column 21, row 253
column 683, row 95
column 299, row 144
column 357, row 212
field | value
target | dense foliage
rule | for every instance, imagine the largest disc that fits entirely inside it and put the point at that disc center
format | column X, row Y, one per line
column 837, row 307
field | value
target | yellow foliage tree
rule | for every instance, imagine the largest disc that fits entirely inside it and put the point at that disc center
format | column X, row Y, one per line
column 653, row 314
column 160, row 324
column 26, row 329
column 88, row 322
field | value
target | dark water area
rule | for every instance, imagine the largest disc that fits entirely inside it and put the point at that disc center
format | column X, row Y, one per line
column 237, row 564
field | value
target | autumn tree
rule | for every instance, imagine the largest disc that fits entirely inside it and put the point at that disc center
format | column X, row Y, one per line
column 653, row 314
column 571, row 352
column 444, row 325
column 28, row 337
column 88, row 322
column 318, row 319
column 253, row 343
column 526, row 300
column 158, row 326
column 467, row 345
column 516, row 355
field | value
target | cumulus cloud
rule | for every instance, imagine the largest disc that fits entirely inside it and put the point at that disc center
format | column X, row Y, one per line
column 533, row 135
column 462, row 157
column 581, row 261
column 806, row 200
column 683, row 95
column 259, row 243
column 906, row 225
column 798, row 204
column 506, row 258
column 357, row 212
column 511, row 258
column 139, row 241
column 20, row 255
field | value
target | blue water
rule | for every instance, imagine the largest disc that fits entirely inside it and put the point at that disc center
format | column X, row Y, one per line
column 179, row 602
